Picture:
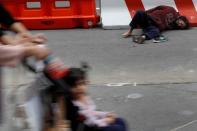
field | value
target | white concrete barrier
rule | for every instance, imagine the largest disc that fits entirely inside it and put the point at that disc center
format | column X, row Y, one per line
column 114, row 14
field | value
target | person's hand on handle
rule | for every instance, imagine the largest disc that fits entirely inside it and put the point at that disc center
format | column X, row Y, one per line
column 37, row 38
column 37, row 51
column 21, row 30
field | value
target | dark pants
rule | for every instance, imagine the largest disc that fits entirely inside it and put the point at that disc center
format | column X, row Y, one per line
column 119, row 125
column 141, row 19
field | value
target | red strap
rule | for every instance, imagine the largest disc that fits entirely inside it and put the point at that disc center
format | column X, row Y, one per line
column 134, row 5
column 187, row 8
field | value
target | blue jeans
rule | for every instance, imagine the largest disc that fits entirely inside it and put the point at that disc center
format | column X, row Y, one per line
column 151, row 32
column 118, row 125
column 143, row 20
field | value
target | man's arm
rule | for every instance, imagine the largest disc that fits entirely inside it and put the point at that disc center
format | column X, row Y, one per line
column 12, row 55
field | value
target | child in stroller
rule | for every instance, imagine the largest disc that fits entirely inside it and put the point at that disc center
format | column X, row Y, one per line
column 65, row 99
column 86, row 117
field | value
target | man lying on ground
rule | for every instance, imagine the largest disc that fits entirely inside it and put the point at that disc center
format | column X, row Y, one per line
column 156, row 20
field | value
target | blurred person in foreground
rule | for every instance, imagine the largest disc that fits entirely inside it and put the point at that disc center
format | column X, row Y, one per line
column 12, row 55
column 156, row 20
column 13, row 49
column 85, row 116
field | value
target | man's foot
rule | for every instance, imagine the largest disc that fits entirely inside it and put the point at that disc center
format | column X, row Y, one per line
column 126, row 34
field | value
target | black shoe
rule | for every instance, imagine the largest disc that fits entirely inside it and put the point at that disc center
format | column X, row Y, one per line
column 159, row 39
column 135, row 38
column 139, row 39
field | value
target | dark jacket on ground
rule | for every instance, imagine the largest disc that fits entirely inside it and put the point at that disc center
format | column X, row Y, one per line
column 164, row 17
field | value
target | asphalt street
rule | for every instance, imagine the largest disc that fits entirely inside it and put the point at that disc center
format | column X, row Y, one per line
column 166, row 107
column 115, row 59
column 153, row 86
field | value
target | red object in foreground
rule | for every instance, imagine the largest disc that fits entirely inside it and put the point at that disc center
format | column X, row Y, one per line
column 134, row 5
column 53, row 14
column 187, row 8
column 57, row 74
column 55, row 67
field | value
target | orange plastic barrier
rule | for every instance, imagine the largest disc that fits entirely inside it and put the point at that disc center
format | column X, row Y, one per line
column 54, row 14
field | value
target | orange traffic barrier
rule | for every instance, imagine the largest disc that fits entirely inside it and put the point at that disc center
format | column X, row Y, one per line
column 53, row 14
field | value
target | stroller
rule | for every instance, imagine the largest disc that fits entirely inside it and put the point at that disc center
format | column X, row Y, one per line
column 55, row 96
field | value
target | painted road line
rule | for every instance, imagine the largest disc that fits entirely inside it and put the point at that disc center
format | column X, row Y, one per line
column 183, row 126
